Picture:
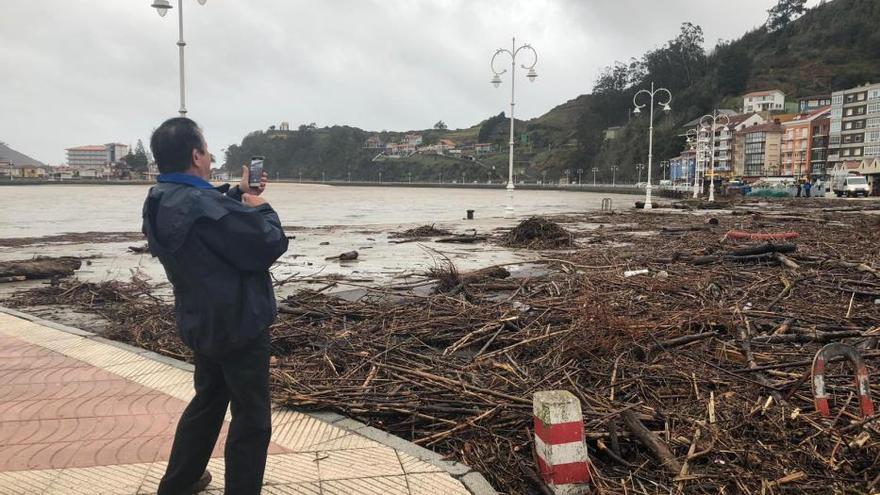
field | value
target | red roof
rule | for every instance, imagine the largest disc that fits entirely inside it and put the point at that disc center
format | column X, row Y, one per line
column 764, row 93
column 768, row 127
column 739, row 119
column 91, row 147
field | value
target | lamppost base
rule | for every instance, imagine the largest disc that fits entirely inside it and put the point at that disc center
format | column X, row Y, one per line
column 648, row 205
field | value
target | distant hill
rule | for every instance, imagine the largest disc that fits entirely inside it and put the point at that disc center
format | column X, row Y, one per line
column 833, row 46
column 8, row 154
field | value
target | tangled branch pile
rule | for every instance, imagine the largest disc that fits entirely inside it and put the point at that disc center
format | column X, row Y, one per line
column 419, row 232
column 711, row 358
column 539, row 233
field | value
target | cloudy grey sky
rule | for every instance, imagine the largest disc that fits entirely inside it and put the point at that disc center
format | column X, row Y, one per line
column 81, row 72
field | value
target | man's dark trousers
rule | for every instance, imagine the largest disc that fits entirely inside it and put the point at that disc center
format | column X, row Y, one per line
column 241, row 378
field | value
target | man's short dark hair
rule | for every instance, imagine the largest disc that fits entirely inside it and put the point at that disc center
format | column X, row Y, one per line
column 173, row 142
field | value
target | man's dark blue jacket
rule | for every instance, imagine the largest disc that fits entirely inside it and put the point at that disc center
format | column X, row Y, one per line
column 216, row 252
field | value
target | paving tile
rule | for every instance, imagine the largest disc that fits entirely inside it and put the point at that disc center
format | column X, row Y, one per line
column 299, row 435
column 381, row 485
column 291, row 468
column 163, row 379
column 293, row 489
column 39, row 362
column 346, row 442
column 136, row 368
column 358, row 463
column 26, row 482
column 79, row 416
column 283, row 416
column 104, row 480
column 413, row 465
column 435, row 483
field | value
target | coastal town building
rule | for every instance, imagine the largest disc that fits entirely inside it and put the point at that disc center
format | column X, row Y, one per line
column 412, row 139
column 870, row 168
column 682, row 167
column 758, row 151
column 808, row 104
column 612, row 132
column 95, row 156
column 374, row 142
column 725, row 142
column 12, row 171
column 798, row 143
column 819, row 144
column 854, row 132
column 764, row 101
column 482, row 148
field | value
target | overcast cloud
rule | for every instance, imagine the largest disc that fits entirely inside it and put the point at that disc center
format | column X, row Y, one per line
column 81, row 72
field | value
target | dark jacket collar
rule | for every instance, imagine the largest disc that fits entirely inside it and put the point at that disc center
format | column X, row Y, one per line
column 187, row 179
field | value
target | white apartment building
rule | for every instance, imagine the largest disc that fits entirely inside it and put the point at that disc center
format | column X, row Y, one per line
column 95, row 156
column 725, row 140
column 854, row 134
column 764, row 101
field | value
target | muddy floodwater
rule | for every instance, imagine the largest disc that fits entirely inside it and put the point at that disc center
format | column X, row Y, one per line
column 33, row 211
column 325, row 220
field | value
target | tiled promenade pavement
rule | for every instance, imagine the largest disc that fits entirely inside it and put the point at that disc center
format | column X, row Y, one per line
column 81, row 416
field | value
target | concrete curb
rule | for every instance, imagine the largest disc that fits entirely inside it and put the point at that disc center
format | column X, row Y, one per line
column 472, row 480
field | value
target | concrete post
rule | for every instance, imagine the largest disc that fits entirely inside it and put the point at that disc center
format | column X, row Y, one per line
column 560, row 443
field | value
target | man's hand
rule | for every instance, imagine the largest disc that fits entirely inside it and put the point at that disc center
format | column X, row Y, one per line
column 252, row 200
column 247, row 188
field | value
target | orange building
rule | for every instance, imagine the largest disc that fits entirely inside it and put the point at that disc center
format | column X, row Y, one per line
column 798, row 143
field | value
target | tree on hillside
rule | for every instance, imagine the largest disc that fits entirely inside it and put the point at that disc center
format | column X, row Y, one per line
column 488, row 127
column 681, row 61
column 137, row 160
column 784, row 12
column 440, row 126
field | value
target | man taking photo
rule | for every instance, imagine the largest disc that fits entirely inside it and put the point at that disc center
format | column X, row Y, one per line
column 216, row 245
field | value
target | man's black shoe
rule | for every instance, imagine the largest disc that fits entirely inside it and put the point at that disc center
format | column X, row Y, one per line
column 204, row 481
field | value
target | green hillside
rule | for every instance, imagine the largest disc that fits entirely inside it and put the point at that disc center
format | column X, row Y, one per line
column 833, row 46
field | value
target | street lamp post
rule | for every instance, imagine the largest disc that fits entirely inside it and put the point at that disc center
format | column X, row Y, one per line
column 162, row 7
column 637, row 110
column 580, row 172
column 696, row 138
column 613, row 175
column 567, row 173
column 595, row 169
column 496, row 81
column 639, row 168
column 664, row 165
column 710, row 122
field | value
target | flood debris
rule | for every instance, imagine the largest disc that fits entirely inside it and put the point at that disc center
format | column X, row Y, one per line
column 38, row 268
column 539, row 233
column 693, row 383
column 423, row 231
column 346, row 256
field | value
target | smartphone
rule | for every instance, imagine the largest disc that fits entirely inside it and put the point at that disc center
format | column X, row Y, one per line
column 255, row 171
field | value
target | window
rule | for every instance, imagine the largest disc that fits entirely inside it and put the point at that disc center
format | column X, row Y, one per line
column 853, row 138
column 755, row 137
column 862, row 96
column 874, row 94
column 872, row 137
column 872, row 151
column 837, row 100
column 836, row 113
column 874, row 107
column 873, row 123
column 834, row 140
column 835, row 127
